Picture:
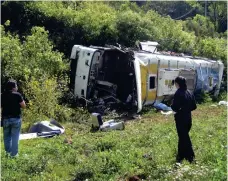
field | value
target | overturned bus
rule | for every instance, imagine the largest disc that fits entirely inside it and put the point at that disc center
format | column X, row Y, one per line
column 134, row 78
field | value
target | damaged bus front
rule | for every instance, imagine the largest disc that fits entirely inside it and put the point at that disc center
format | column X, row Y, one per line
column 105, row 77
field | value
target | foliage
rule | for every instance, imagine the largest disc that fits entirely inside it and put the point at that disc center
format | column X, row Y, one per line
column 39, row 56
column 218, row 15
column 214, row 48
column 146, row 149
column 37, row 69
column 29, row 55
column 129, row 29
column 222, row 96
column 82, row 23
column 43, row 103
column 215, row 11
column 203, row 97
column 100, row 23
column 34, row 34
column 43, row 99
column 11, row 55
column 202, row 26
column 175, row 9
column 170, row 34
column 32, row 58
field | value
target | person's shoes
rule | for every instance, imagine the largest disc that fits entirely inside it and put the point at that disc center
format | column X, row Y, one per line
column 25, row 155
column 179, row 160
column 177, row 165
column 191, row 160
column 14, row 156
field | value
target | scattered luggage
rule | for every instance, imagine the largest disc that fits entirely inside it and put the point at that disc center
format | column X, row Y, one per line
column 97, row 122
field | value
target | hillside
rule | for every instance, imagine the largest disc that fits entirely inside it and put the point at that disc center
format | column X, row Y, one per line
column 100, row 23
column 36, row 42
column 40, row 36
column 146, row 149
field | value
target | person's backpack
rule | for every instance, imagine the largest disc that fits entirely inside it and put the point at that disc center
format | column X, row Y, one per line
column 193, row 102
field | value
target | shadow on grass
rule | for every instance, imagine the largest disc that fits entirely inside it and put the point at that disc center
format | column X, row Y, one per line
column 83, row 175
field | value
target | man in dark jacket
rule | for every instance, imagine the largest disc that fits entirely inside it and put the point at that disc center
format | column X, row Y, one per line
column 183, row 104
column 11, row 104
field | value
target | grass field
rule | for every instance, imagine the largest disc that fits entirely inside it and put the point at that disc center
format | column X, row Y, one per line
column 146, row 150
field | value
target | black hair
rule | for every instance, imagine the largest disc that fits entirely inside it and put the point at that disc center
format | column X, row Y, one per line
column 10, row 85
column 181, row 81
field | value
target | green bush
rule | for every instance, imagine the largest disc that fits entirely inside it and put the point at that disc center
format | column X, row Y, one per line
column 43, row 103
column 42, row 96
column 200, row 25
column 28, row 55
column 11, row 56
column 215, row 48
column 100, row 23
column 203, row 97
column 33, row 57
column 38, row 70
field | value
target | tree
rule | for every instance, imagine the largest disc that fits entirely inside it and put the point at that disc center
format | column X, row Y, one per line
column 200, row 25
column 215, row 10
column 174, row 9
column 34, row 57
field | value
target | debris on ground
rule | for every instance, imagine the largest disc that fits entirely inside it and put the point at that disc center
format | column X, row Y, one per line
column 213, row 105
column 221, row 103
column 112, row 125
column 43, row 129
column 167, row 113
column 225, row 103
column 136, row 116
column 161, row 106
column 98, row 124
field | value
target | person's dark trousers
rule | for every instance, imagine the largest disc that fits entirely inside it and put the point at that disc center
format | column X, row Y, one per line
column 185, row 150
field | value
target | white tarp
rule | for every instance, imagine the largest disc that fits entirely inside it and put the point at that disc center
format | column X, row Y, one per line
column 43, row 129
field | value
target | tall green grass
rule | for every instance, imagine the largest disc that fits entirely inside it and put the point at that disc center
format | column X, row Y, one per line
column 145, row 149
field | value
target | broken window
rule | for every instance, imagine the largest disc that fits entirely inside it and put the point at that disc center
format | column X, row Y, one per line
column 82, row 92
column 210, row 81
column 152, row 82
column 73, row 68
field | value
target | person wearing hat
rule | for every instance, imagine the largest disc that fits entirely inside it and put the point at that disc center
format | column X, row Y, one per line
column 183, row 104
column 11, row 104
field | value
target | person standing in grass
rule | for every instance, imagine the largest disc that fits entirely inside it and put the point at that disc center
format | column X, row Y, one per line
column 183, row 104
column 11, row 104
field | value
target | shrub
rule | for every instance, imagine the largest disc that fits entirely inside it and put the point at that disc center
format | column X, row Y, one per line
column 203, row 97
column 42, row 96
column 100, row 23
column 200, row 25
column 32, row 58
